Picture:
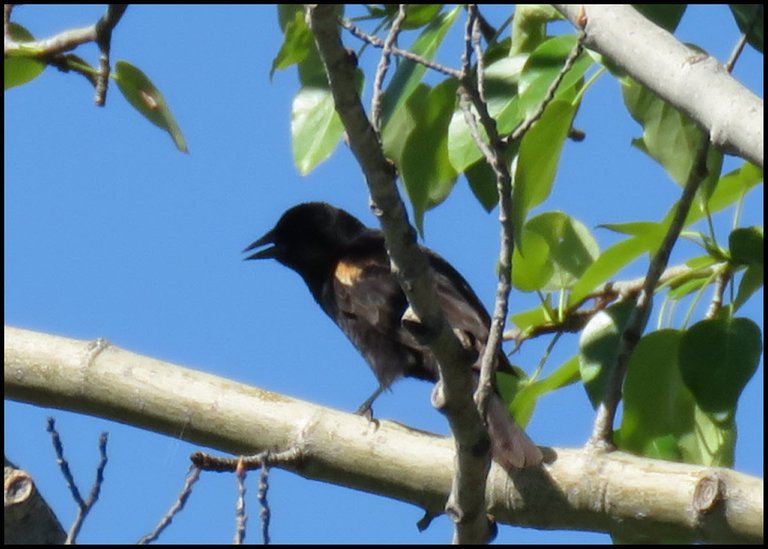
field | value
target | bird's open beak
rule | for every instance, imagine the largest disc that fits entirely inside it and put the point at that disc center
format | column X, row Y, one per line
column 266, row 253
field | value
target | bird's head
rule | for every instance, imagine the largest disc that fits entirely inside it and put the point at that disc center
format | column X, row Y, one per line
column 308, row 238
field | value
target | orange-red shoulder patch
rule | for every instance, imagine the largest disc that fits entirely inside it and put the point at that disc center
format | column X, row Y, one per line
column 348, row 273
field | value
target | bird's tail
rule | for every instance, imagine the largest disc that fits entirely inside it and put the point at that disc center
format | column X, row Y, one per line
column 511, row 448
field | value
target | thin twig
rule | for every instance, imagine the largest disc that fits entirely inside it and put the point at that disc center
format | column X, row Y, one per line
column 381, row 70
column 480, row 58
column 104, row 28
column 192, row 477
column 378, row 43
column 83, row 506
column 743, row 39
column 262, row 497
column 241, row 519
column 518, row 132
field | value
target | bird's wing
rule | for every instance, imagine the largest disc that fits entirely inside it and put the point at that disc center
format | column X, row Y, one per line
column 368, row 304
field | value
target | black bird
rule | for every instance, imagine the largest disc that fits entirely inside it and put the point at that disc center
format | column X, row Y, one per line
column 346, row 267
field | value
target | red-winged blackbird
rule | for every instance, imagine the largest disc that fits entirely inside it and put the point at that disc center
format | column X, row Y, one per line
column 346, row 267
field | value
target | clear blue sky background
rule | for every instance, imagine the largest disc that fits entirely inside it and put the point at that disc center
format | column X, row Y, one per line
column 110, row 232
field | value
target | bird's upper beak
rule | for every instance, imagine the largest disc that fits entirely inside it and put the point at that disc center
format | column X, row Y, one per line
column 266, row 253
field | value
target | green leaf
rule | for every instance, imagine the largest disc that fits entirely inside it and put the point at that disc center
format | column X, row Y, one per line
column 656, row 402
column 687, row 287
column 611, row 261
column 537, row 162
column 700, row 262
column 426, row 172
column 717, row 359
column 402, row 123
column 409, row 74
column 315, row 127
column 746, row 246
column 599, row 348
column 529, row 26
column 667, row 16
column 750, row 283
column 669, row 137
column 482, row 181
column 530, row 318
column 297, row 45
column 543, row 66
column 527, row 393
column 729, row 189
column 532, row 271
column 418, row 15
column 711, row 442
column 750, row 18
column 571, row 248
column 648, row 230
column 144, row 96
column 18, row 70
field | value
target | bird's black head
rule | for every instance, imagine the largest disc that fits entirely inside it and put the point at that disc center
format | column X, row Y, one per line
column 309, row 238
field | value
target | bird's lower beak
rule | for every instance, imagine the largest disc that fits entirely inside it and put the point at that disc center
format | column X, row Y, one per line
column 266, row 253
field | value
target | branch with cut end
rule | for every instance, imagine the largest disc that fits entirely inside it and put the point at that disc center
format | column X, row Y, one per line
column 574, row 490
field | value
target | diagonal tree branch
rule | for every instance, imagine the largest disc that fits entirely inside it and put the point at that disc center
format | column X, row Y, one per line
column 698, row 86
column 453, row 393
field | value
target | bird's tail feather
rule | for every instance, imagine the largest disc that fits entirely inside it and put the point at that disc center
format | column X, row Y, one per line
column 511, row 448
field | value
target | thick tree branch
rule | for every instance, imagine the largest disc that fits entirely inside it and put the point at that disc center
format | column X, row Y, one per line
column 697, row 85
column 616, row 492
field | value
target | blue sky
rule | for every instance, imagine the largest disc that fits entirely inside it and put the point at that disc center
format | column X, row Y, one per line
column 110, row 232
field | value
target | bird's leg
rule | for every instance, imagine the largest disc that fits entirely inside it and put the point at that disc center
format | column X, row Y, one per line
column 365, row 408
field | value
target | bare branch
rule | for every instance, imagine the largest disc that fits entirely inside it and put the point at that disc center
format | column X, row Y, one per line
column 381, row 70
column 602, row 433
column 405, row 54
column 192, row 477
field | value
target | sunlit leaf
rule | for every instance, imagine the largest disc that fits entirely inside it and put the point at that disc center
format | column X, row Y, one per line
column 18, row 70
column 140, row 92
column 571, row 248
column 315, row 127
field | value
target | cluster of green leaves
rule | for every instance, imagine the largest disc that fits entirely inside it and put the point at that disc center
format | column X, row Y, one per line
column 26, row 63
column 683, row 383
